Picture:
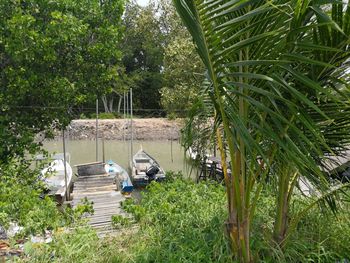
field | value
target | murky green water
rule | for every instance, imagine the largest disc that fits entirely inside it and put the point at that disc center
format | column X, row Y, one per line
column 170, row 155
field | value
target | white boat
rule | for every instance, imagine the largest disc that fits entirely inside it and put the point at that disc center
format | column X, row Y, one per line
column 54, row 177
column 121, row 175
column 145, row 168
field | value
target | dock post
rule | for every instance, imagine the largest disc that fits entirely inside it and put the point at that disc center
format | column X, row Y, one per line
column 65, row 165
column 96, row 129
column 132, row 135
column 103, row 150
column 127, row 122
column 171, row 149
column 124, row 106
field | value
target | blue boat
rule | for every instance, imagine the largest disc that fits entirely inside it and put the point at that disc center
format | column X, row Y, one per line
column 122, row 176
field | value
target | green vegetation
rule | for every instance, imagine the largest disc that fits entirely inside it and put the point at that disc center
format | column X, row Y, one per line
column 278, row 87
column 78, row 245
column 119, row 221
column 21, row 201
column 181, row 221
column 159, row 62
column 183, row 69
column 142, row 47
column 178, row 224
column 105, row 115
column 54, row 55
column 265, row 81
column 24, row 202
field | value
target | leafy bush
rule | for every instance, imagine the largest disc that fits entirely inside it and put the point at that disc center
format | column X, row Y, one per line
column 84, row 207
column 105, row 115
column 119, row 221
column 171, row 116
column 22, row 200
column 321, row 236
column 82, row 116
column 180, row 221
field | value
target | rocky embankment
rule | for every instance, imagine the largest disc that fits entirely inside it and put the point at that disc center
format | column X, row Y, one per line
column 119, row 129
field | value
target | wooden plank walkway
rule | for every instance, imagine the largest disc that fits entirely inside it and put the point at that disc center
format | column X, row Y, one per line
column 102, row 191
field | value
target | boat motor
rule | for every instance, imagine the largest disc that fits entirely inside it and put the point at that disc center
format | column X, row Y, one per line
column 151, row 172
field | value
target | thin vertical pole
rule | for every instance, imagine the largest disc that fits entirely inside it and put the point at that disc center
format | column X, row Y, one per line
column 214, row 147
column 96, row 130
column 65, row 165
column 132, row 135
column 103, row 150
column 171, row 149
column 127, row 121
column 124, row 106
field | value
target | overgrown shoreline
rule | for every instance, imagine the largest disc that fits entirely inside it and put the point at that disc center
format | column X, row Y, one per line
column 119, row 129
column 182, row 221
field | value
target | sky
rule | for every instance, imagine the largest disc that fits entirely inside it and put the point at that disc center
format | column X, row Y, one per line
column 142, row 2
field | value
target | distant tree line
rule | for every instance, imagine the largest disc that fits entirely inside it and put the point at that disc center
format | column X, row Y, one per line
column 58, row 57
column 159, row 62
column 54, row 55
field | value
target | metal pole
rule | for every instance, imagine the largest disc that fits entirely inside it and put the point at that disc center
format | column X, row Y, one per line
column 132, row 135
column 124, row 106
column 65, row 165
column 96, row 130
column 103, row 150
column 171, row 149
column 127, row 121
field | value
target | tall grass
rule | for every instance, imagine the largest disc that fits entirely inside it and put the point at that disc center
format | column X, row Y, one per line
column 181, row 221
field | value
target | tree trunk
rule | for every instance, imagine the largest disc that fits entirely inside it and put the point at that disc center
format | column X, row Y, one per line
column 111, row 102
column 119, row 103
column 105, row 104
column 238, row 224
column 282, row 204
column 239, row 233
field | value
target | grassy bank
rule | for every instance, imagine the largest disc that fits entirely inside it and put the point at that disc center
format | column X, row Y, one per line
column 180, row 221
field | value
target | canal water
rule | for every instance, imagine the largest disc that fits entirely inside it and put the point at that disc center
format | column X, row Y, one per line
column 169, row 154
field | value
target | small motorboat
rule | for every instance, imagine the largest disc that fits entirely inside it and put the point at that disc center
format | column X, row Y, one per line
column 144, row 169
column 122, row 176
column 54, row 177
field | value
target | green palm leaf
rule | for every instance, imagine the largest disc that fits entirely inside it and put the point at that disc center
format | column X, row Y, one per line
column 277, row 88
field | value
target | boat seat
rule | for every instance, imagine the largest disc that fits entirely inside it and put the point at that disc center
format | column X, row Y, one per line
column 142, row 167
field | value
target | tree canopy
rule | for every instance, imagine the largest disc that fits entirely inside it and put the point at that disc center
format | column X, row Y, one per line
column 279, row 86
column 159, row 55
column 53, row 55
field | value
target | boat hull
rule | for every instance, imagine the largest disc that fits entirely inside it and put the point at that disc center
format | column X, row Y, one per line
column 54, row 178
column 141, row 166
column 121, row 176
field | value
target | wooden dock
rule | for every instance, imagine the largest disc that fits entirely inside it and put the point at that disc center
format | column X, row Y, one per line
column 101, row 189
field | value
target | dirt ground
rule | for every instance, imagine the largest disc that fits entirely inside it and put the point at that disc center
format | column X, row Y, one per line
column 118, row 129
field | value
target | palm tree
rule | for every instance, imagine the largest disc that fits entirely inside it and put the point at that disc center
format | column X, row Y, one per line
column 275, row 87
column 320, row 54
